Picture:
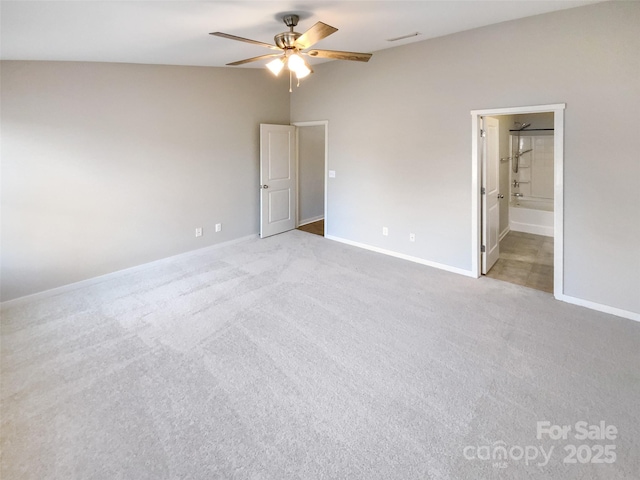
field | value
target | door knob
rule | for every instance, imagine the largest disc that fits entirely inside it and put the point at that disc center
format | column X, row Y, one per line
column 500, row 196
column 264, row 186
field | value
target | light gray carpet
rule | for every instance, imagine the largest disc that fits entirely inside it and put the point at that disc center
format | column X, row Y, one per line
column 296, row 357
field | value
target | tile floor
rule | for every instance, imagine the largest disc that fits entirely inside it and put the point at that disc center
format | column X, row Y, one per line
column 525, row 259
column 316, row 228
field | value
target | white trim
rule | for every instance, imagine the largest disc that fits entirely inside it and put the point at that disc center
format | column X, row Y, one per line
column 476, row 227
column 440, row 266
column 600, row 307
column 504, row 233
column 313, row 123
column 118, row 273
column 326, row 167
column 310, row 220
column 519, row 110
column 297, row 224
column 558, row 203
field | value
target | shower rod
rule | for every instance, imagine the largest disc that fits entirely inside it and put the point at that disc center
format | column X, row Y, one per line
column 534, row 130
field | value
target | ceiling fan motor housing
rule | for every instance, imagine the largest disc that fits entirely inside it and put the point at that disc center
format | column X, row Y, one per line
column 287, row 40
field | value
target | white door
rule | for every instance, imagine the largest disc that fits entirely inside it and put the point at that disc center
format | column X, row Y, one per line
column 491, row 196
column 277, row 179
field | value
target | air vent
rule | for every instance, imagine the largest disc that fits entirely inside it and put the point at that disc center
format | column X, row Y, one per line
column 415, row 34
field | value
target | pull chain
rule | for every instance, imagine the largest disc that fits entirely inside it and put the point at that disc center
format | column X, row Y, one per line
column 290, row 90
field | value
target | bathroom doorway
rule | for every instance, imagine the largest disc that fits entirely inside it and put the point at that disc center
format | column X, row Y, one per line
column 518, row 160
column 525, row 175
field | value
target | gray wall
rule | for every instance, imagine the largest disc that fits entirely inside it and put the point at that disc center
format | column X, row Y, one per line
column 311, row 172
column 400, row 138
column 108, row 166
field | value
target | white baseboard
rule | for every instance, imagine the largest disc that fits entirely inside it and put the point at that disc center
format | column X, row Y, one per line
column 109, row 276
column 599, row 307
column 503, row 234
column 310, row 220
column 529, row 228
column 564, row 298
column 95, row 280
column 440, row 266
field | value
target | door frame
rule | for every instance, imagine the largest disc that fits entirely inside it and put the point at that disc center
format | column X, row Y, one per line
column 315, row 123
column 558, row 180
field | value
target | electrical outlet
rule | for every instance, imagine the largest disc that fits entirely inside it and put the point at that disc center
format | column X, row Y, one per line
column 385, row 231
column 218, row 227
column 412, row 237
column 199, row 232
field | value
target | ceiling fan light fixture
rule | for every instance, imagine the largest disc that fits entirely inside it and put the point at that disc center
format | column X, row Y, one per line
column 295, row 62
column 302, row 72
column 297, row 65
column 276, row 66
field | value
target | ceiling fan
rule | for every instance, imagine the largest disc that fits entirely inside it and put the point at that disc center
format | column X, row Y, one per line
column 292, row 46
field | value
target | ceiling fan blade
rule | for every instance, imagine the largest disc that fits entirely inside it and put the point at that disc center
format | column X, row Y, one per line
column 247, row 40
column 356, row 56
column 254, row 59
column 314, row 34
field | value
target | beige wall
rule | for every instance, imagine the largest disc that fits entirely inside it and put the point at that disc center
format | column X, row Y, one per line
column 400, row 139
column 108, row 166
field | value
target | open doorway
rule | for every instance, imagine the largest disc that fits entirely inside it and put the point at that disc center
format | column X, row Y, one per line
column 312, row 172
column 518, row 185
column 524, row 177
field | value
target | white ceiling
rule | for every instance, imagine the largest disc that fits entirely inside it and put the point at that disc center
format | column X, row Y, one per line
column 176, row 32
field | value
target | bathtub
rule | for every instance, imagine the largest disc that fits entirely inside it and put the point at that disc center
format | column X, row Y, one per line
column 531, row 216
